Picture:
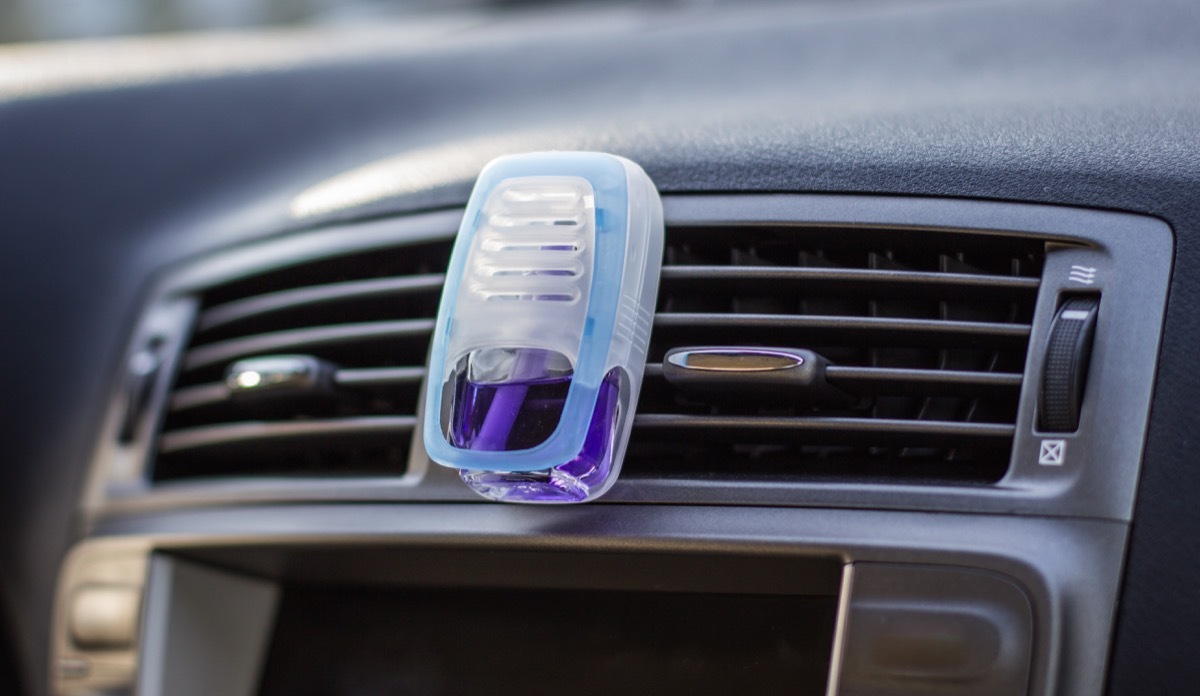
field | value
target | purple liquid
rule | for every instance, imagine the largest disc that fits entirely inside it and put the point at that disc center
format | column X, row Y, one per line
column 569, row 482
column 514, row 415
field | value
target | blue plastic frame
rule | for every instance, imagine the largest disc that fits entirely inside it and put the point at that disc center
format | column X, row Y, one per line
column 610, row 186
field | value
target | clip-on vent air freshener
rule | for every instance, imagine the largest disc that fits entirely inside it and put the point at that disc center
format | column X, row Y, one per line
column 544, row 323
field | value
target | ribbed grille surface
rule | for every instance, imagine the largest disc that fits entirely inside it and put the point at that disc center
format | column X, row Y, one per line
column 927, row 331
column 370, row 314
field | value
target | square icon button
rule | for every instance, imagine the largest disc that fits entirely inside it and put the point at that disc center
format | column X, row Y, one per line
column 1052, row 453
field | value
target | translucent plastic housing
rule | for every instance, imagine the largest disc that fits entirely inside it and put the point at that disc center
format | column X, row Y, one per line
column 545, row 319
column 527, row 274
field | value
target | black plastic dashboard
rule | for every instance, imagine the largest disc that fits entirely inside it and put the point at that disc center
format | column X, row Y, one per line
column 117, row 166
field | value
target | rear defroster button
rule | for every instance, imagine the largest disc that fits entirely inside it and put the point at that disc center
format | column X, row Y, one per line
column 105, row 616
column 932, row 645
column 911, row 629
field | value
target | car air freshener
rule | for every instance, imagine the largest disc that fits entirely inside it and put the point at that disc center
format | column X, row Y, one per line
column 541, row 337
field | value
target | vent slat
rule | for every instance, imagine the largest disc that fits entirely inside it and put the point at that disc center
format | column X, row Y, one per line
column 863, row 277
column 198, row 396
column 379, row 376
column 916, row 330
column 304, row 339
column 882, row 379
column 301, row 298
column 823, row 429
column 369, row 377
column 875, row 379
column 211, row 436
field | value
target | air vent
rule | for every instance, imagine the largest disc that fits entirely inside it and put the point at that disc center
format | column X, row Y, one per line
column 926, row 332
column 364, row 318
column 920, row 312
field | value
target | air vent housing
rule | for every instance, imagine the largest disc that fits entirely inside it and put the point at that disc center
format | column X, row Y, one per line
column 367, row 315
column 927, row 332
column 934, row 315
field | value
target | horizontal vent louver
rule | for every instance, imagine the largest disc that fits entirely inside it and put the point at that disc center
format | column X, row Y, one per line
column 368, row 314
column 926, row 330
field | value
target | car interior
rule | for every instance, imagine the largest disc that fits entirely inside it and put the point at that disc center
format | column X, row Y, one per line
column 978, row 220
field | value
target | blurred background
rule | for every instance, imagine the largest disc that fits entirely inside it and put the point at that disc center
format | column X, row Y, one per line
column 40, row 20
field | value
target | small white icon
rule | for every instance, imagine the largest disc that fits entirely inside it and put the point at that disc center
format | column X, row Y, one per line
column 1053, row 453
column 1082, row 274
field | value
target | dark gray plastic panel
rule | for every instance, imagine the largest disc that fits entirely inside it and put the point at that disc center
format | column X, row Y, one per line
column 1130, row 255
column 1068, row 569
